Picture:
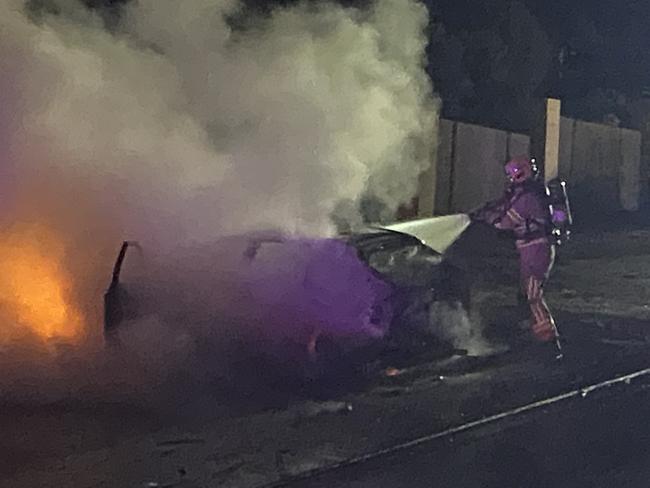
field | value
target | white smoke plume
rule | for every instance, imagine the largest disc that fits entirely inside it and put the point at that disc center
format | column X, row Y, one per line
column 462, row 329
column 186, row 129
column 177, row 128
column 174, row 128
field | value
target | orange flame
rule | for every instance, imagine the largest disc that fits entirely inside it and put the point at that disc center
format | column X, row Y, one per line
column 35, row 289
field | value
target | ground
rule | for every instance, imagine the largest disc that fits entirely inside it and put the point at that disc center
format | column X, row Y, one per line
column 599, row 295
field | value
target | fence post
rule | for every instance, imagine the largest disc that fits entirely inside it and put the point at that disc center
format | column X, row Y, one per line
column 428, row 179
column 545, row 138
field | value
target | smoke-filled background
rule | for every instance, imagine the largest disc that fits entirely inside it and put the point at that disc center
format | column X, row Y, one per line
column 173, row 128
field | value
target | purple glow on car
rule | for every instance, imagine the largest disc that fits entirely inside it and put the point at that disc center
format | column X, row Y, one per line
column 265, row 291
column 319, row 284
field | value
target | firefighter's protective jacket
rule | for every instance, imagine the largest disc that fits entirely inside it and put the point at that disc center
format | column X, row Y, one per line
column 523, row 210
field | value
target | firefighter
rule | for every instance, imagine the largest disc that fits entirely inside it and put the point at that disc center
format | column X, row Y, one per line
column 524, row 211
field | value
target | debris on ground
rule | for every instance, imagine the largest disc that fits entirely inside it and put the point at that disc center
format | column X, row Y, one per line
column 393, row 372
column 314, row 409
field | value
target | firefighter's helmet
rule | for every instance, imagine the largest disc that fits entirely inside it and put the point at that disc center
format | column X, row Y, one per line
column 521, row 169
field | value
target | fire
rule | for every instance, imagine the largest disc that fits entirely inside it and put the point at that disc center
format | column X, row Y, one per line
column 35, row 288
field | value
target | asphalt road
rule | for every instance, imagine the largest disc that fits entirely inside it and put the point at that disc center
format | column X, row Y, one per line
column 599, row 440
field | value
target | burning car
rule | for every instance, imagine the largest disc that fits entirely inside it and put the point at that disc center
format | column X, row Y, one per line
column 318, row 299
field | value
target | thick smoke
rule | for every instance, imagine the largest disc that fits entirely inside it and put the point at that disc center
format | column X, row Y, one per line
column 186, row 129
column 174, row 129
column 178, row 129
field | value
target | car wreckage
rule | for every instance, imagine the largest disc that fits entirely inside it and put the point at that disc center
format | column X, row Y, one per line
column 354, row 295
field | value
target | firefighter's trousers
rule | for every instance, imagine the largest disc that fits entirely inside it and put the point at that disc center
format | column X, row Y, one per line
column 536, row 260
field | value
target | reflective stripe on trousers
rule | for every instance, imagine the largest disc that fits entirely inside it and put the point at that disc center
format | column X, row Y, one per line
column 536, row 262
column 543, row 326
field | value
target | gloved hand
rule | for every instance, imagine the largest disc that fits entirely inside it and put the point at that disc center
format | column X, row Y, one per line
column 477, row 215
column 485, row 214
